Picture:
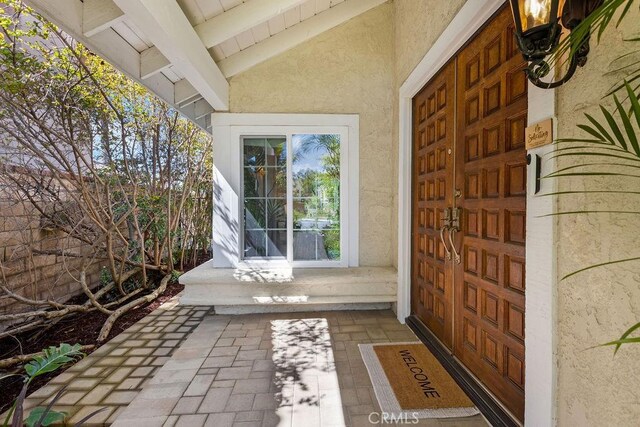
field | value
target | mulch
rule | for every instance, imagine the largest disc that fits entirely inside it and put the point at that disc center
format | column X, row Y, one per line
column 82, row 328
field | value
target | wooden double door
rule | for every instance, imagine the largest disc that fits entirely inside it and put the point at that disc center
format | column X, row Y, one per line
column 469, row 161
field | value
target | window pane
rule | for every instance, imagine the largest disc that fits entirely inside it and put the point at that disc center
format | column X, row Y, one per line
column 254, row 152
column 305, row 245
column 277, row 213
column 277, row 243
column 277, row 152
column 254, row 214
column 331, row 242
column 254, row 243
column 254, row 178
column 316, row 196
column 276, row 182
column 265, row 192
column 304, row 213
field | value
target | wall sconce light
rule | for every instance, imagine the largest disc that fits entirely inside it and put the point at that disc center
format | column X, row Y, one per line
column 538, row 33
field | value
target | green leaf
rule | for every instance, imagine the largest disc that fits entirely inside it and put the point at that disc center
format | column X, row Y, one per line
column 573, row 140
column 628, row 127
column 591, row 212
column 625, row 335
column 621, row 85
column 558, row 193
column 618, row 343
column 615, row 156
column 52, row 359
column 50, row 417
column 605, row 135
column 601, row 134
column 89, row 416
column 555, row 175
column 635, row 104
column 561, row 172
column 614, row 127
column 619, row 261
column 624, row 12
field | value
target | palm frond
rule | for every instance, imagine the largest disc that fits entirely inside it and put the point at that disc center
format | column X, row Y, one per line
column 602, row 264
column 557, row 175
column 588, row 211
column 596, row 23
column 558, row 193
column 624, row 339
column 586, row 154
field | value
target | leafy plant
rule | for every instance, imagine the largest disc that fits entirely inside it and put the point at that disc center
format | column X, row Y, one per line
column 596, row 23
column 116, row 172
column 611, row 139
column 51, row 359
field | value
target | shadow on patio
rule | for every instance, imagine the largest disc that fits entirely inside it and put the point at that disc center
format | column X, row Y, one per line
column 266, row 370
column 285, row 369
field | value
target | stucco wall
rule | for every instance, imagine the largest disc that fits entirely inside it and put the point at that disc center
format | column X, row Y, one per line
column 417, row 25
column 595, row 388
column 348, row 69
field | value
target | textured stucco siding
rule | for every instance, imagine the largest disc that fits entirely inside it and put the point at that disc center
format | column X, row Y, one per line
column 595, row 388
column 417, row 25
column 348, row 69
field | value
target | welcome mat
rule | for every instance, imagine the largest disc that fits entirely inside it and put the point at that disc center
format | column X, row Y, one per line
column 410, row 382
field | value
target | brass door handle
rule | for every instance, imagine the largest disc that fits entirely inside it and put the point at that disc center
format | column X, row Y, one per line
column 446, row 219
column 456, row 254
column 456, row 214
column 444, row 243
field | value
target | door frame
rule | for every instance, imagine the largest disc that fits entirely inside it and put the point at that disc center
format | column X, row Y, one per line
column 540, row 293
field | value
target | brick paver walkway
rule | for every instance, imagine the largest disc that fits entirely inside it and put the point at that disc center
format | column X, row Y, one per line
column 113, row 375
column 290, row 369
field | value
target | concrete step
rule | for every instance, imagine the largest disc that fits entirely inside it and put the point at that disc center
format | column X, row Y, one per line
column 265, row 290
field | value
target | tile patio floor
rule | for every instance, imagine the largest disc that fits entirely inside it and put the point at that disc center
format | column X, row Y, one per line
column 266, row 370
column 115, row 373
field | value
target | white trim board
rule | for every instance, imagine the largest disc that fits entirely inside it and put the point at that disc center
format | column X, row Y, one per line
column 228, row 128
column 540, row 371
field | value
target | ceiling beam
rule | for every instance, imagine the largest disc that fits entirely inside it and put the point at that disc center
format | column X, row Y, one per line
column 190, row 100
column 164, row 23
column 68, row 15
column 98, row 15
column 152, row 61
column 202, row 108
column 241, row 18
column 295, row 35
column 184, row 91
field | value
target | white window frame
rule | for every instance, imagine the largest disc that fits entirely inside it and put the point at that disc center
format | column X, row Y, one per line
column 229, row 129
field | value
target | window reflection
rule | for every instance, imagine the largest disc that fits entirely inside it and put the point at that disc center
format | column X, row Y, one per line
column 265, row 192
column 316, row 197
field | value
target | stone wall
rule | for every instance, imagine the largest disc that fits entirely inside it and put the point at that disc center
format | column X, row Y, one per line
column 28, row 265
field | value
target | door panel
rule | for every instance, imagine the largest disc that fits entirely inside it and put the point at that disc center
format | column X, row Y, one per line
column 476, row 307
column 491, row 176
column 433, row 135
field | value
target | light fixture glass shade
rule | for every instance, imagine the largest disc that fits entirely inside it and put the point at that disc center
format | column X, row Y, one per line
column 538, row 31
column 534, row 13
